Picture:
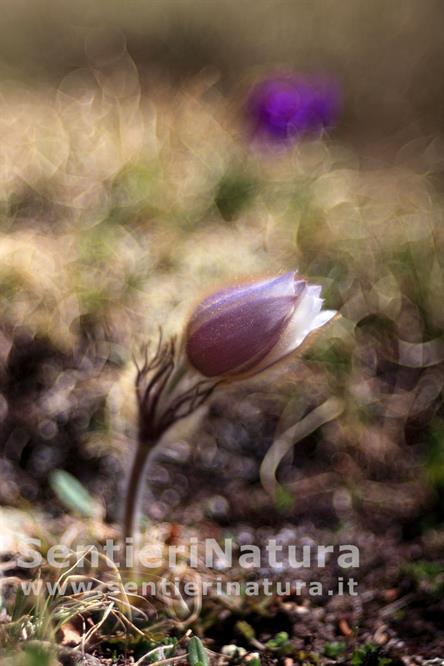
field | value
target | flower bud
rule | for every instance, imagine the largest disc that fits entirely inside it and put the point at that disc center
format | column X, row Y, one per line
column 248, row 327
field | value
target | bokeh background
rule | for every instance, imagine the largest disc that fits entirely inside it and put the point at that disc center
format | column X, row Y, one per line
column 130, row 186
column 388, row 56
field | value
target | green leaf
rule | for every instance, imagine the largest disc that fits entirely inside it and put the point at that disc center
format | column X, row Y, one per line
column 246, row 630
column 369, row 654
column 434, row 461
column 281, row 638
column 335, row 649
column 197, row 654
column 283, row 499
column 254, row 660
column 281, row 643
column 73, row 495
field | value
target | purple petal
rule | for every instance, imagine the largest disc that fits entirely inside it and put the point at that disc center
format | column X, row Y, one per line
column 286, row 107
column 235, row 328
column 284, row 285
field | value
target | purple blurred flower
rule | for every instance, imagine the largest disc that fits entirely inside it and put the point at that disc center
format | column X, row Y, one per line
column 246, row 328
column 286, row 107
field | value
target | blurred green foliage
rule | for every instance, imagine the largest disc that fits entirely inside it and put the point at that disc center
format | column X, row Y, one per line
column 73, row 494
column 369, row 655
column 434, row 459
column 234, row 193
column 335, row 650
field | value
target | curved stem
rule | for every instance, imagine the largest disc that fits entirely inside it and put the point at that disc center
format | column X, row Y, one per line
column 134, row 487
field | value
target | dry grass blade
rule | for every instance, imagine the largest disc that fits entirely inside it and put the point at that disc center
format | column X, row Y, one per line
column 151, row 652
column 326, row 412
column 90, row 633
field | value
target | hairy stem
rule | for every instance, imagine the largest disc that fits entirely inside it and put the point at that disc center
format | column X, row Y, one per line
column 134, row 488
column 161, row 402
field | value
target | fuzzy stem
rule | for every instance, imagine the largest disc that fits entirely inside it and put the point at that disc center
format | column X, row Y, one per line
column 134, row 487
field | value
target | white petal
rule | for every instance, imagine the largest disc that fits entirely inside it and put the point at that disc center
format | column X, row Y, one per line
column 315, row 289
column 322, row 318
column 306, row 318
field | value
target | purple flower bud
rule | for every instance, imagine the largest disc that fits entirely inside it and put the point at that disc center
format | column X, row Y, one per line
column 248, row 327
column 286, row 107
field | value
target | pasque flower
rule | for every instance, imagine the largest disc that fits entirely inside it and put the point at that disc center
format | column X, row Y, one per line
column 285, row 107
column 235, row 332
column 246, row 328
